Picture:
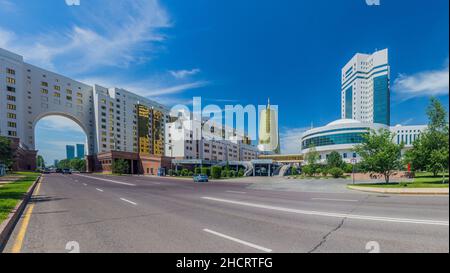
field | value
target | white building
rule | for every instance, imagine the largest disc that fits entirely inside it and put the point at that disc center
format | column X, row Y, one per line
column 365, row 88
column 108, row 117
column 342, row 136
column 187, row 141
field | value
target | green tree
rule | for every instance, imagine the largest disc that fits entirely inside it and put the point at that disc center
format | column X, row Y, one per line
column 430, row 151
column 312, row 156
column 6, row 154
column 379, row 153
column 334, row 160
column 40, row 163
column 205, row 171
column 120, row 166
column 336, row 172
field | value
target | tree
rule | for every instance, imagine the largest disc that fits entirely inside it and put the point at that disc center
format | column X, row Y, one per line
column 6, row 154
column 334, row 160
column 379, row 153
column 312, row 157
column 40, row 163
column 120, row 166
column 430, row 151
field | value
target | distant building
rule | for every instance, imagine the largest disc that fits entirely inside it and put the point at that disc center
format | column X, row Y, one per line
column 56, row 162
column 70, row 152
column 80, row 151
column 365, row 88
column 269, row 141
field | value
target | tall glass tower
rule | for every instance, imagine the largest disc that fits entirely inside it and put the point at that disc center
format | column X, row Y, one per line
column 70, row 152
column 80, row 151
column 366, row 88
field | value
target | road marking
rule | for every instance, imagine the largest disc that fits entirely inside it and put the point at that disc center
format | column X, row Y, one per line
column 107, row 180
column 331, row 214
column 84, row 184
column 338, row 200
column 17, row 246
column 128, row 201
column 100, row 190
column 239, row 192
column 238, row 240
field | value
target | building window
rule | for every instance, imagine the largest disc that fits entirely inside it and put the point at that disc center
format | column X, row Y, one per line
column 12, row 116
column 56, row 95
column 10, row 80
column 10, row 71
column 11, row 89
column 12, row 124
column 44, row 91
column 11, row 98
column 44, row 84
column 12, row 133
column 11, row 107
column 57, row 87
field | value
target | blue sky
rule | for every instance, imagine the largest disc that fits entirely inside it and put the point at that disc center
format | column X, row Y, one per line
column 235, row 51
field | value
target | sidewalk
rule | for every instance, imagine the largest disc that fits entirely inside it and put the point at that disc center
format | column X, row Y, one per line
column 425, row 191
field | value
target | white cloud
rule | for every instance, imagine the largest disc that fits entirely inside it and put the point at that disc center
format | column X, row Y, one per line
column 290, row 140
column 109, row 33
column 181, row 74
column 426, row 83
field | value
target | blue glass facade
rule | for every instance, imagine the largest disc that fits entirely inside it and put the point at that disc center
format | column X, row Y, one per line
column 70, row 152
column 346, row 138
column 349, row 103
column 80, row 151
column 381, row 100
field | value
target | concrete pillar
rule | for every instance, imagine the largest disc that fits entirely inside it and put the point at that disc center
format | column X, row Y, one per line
column 270, row 169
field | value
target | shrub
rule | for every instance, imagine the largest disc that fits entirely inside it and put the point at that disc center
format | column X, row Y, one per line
column 205, row 171
column 241, row 173
column 191, row 173
column 318, row 171
column 308, row 170
column 336, row 172
column 197, row 170
column 348, row 168
column 325, row 172
column 184, row 172
column 120, row 166
column 216, row 172
column 228, row 173
column 233, row 173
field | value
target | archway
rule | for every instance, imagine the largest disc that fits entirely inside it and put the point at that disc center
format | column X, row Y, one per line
column 60, row 137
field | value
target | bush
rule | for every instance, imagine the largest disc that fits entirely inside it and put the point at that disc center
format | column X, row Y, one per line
column 308, row 170
column 216, row 172
column 120, row 166
column 205, row 171
column 336, row 172
column 348, row 168
column 233, row 173
column 197, row 170
column 318, row 171
column 241, row 173
column 325, row 172
column 191, row 173
column 185, row 172
column 223, row 173
column 228, row 173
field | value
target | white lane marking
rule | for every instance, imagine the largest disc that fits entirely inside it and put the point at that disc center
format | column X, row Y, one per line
column 331, row 214
column 128, row 201
column 100, row 190
column 238, row 240
column 238, row 192
column 84, row 184
column 338, row 200
column 107, row 180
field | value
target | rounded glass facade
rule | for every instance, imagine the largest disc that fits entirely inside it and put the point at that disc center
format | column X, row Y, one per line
column 336, row 139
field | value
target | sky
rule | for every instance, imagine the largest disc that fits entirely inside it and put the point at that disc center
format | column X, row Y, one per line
column 233, row 52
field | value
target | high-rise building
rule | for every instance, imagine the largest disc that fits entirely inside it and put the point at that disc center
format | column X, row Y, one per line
column 80, row 151
column 70, row 152
column 269, row 140
column 366, row 88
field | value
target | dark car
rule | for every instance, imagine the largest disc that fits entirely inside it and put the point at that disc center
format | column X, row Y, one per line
column 59, row 170
column 66, row 171
column 201, row 178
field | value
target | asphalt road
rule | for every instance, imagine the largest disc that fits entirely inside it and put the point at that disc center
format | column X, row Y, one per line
column 148, row 214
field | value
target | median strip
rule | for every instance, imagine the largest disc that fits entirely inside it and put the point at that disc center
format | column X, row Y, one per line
column 337, row 200
column 331, row 214
column 238, row 241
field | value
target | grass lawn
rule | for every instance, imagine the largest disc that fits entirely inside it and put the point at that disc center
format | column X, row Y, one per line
column 12, row 193
column 422, row 180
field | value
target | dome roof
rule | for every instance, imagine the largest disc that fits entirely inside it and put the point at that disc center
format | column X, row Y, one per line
column 343, row 121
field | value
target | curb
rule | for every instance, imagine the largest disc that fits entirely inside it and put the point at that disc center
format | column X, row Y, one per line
column 7, row 227
column 418, row 191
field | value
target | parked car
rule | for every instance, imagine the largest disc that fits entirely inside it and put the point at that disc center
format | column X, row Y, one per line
column 59, row 170
column 45, row 171
column 201, row 178
column 66, row 171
